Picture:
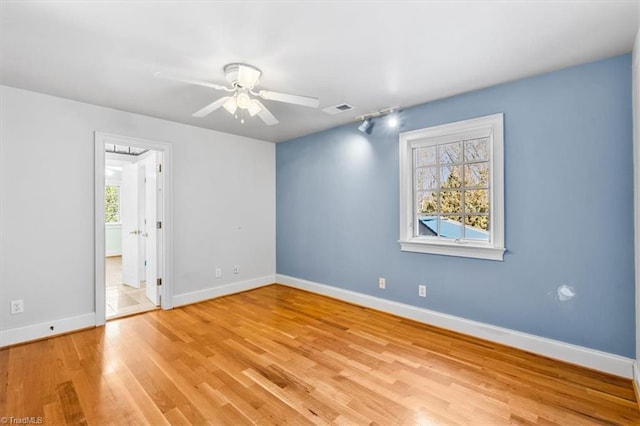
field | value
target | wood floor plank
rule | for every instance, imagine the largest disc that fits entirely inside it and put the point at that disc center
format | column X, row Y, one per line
column 128, row 389
column 54, row 414
column 278, row 355
column 4, row 379
column 70, row 403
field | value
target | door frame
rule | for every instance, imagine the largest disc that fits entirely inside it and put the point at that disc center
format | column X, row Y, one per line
column 165, row 212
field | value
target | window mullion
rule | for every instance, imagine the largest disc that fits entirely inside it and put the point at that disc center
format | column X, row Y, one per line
column 462, row 193
column 416, row 224
column 438, row 192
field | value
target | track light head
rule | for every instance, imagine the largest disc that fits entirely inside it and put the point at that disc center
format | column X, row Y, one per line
column 366, row 126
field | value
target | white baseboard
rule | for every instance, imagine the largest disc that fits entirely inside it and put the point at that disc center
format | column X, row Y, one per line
column 591, row 358
column 636, row 375
column 223, row 290
column 13, row 336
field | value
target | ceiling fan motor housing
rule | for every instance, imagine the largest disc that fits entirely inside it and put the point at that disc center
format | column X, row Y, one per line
column 231, row 72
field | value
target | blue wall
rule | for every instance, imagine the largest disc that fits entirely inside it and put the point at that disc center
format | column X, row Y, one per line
column 568, row 205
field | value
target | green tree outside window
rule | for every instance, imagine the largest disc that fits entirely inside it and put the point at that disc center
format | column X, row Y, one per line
column 112, row 204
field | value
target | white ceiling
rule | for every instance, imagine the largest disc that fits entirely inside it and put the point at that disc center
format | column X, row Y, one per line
column 371, row 55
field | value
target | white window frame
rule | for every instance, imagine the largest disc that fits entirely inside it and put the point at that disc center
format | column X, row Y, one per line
column 491, row 126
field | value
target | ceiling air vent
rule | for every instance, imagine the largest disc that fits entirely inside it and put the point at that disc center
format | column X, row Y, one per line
column 336, row 109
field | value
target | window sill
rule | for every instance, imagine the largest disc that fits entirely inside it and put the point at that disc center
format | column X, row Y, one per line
column 113, row 225
column 471, row 250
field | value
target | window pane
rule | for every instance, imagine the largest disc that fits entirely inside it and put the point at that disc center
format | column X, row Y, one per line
column 476, row 174
column 427, row 202
column 425, row 156
column 112, row 204
column 450, row 227
column 451, row 176
column 477, row 227
column 427, row 178
column 428, row 226
column 476, row 150
column 451, row 201
column 450, row 153
column 476, row 201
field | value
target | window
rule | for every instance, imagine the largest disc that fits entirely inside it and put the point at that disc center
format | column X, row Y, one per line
column 452, row 190
column 112, row 204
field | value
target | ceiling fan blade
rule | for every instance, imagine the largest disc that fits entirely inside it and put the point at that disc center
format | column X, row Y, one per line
column 291, row 99
column 211, row 107
column 191, row 81
column 248, row 76
column 266, row 115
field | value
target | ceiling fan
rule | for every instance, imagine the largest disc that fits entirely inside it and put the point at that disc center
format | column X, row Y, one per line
column 243, row 78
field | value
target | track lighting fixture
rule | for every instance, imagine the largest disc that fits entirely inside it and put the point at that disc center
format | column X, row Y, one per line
column 368, row 123
column 366, row 126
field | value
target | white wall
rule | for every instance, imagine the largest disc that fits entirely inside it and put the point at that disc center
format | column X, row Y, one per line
column 113, row 239
column 223, row 209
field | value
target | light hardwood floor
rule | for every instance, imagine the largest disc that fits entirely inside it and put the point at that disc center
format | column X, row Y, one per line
column 277, row 355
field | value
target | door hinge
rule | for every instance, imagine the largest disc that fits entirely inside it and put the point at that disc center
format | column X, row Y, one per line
column 158, row 225
column 159, row 282
column 159, row 168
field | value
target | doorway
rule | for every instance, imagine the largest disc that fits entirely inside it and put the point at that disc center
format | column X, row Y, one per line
column 131, row 247
column 132, row 227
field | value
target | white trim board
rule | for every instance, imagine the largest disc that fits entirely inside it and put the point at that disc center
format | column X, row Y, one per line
column 43, row 329
column 65, row 325
column 636, row 379
column 574, row 354
column 223, row 290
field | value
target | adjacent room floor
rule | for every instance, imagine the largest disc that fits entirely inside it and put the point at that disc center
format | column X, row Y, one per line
column 278, row 355
column 123, row 300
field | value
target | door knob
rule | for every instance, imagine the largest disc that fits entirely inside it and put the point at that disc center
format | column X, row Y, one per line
column 134, row 232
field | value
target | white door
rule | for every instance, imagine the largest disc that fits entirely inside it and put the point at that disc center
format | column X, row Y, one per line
column 129, row 193
column 151, row 232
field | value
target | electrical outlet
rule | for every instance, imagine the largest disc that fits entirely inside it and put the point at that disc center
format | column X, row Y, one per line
column 218, row 272
column 236, row 269
column 17, row 306
column 422, row 290
column 382, row 283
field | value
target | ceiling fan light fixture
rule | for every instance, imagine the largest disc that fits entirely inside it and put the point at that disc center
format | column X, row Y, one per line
column 231, row 105
column 254, row 107
column 243, row 100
